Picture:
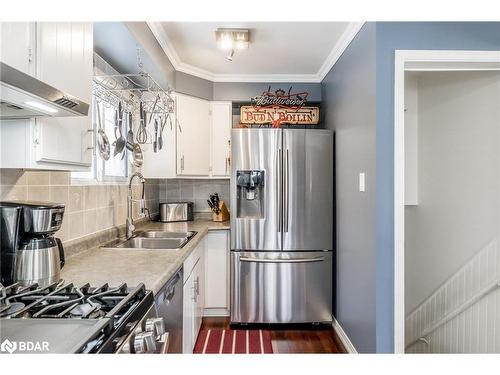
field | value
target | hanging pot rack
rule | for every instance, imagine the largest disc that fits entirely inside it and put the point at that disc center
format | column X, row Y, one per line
column 131, row 90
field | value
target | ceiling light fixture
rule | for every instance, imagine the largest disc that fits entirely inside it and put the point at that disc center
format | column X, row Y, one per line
column 232, row 39
column 230, row 55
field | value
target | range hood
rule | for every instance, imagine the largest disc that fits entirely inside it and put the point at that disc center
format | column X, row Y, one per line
column 23, row 96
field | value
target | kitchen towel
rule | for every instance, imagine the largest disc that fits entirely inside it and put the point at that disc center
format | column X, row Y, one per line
column 228, row 341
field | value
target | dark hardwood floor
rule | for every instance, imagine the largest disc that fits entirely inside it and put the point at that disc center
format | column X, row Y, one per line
column 295, row 339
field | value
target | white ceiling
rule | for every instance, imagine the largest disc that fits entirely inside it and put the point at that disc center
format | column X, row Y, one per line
column 279, row 51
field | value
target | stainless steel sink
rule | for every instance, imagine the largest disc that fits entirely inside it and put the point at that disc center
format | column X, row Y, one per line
column 158, row 234
column 156, row 240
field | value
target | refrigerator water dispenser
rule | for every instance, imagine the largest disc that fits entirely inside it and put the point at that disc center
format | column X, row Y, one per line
column 250, row 194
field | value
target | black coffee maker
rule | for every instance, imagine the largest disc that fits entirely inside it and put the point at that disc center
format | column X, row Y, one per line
column 29, row 251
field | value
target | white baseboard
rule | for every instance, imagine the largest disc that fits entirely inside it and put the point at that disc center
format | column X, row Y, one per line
column 216, row 312
column 343, row 337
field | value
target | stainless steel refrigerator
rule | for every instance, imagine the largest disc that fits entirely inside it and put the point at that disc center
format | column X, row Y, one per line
column 281, row 225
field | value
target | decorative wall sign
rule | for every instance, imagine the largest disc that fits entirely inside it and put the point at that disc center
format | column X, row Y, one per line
column 280, row 99
column 279, row 107
column 278, row 116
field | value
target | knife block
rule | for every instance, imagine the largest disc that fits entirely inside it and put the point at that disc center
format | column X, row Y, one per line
column 223, row 214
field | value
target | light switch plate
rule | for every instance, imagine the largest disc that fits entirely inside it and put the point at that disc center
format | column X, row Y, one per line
column 362, row 184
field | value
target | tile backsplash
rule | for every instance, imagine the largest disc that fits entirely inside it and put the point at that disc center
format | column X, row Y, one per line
column 93, row 208
column 194, row 190
column 90, row 208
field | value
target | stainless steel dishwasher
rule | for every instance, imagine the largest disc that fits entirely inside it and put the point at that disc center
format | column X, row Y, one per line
column 169, row 306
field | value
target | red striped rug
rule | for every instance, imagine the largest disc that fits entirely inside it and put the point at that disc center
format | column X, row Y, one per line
column 228, row 341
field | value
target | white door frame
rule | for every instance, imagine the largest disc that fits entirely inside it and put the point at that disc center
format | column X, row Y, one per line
column 418, row 60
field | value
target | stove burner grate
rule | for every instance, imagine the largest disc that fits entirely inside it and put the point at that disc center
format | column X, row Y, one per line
column 62, row 301
column 11, row 308
column 119, row 308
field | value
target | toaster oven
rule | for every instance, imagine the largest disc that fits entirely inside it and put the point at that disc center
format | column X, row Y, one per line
column 176, row 211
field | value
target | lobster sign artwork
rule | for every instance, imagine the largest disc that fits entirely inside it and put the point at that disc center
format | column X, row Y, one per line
column 277, row 108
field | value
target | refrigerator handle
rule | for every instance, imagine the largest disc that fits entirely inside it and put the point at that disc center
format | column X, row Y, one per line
column 280, row 190
column 292, row 260
column 287, row 193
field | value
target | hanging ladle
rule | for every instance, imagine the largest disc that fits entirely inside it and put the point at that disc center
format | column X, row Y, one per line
column 102, row 139
column 130, row 134
column 120, row 139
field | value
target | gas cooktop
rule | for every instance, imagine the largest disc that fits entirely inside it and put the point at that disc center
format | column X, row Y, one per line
column 99, row 319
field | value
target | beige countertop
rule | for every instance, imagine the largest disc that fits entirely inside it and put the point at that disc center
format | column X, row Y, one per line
column 151, row 267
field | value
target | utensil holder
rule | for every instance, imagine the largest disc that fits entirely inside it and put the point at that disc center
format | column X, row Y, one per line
column 223, row 214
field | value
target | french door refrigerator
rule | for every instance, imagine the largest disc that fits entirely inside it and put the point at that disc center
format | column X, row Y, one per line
column 281, row 225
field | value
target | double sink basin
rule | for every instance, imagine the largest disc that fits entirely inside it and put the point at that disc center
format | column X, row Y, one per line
column 156, row 240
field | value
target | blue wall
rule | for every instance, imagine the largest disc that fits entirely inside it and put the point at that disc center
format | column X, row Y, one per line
column 243, row 91
column 348, row 93
column 194, row 86
column 406, row 35
column 117, row 42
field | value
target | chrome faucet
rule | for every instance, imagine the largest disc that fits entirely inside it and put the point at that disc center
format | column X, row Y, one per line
column 130, row 220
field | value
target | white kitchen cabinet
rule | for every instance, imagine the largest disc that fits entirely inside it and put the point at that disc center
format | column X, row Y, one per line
column 17, row 45
column 221, row 124
column 194, row 296
column 217, row 274
column 206, row 284
column 63, row 59
column 188, row 309
column 199, row 284
column 161, row 164
column 193, row 136
column 197, row 146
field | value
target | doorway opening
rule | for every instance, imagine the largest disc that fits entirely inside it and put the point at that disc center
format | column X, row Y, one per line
column 447, row 201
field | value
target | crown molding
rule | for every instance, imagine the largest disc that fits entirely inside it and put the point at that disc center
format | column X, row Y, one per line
column 271, row 78
column 195, row 71
column 165, row 43
column 345, row 39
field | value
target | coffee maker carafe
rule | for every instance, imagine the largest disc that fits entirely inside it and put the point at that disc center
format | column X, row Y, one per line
column 29, row 251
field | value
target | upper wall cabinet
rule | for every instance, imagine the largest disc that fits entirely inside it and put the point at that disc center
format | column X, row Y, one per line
column 65, row 61
column 203, row 137
column 193, row 136
column 61, row 55
column 17, row 45
column 221, row 123
column 162, row 163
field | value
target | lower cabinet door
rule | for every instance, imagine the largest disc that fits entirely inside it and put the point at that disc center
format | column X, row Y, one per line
column 194, row 296
column 217, row 270
column 199, row 285
column 193, row 306
column 188, row 338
